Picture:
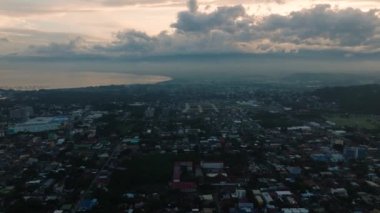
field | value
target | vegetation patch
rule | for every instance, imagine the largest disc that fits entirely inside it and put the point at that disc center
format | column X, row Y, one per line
column 369, row 122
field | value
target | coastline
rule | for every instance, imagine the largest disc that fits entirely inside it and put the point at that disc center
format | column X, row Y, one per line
column 72, row 80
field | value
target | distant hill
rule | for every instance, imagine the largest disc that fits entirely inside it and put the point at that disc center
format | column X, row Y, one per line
column 358, row 99
column 330, row 79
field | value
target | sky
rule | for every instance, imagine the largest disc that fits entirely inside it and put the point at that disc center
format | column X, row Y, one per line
column 193, row 34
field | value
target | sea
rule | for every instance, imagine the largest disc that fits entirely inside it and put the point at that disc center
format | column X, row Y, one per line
column 36, row 80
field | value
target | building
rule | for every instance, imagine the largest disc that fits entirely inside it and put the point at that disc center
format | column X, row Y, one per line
column 39, row 124
column 178, row 183
column 21, row 113
column 134, row 140
column 2, row 129
column 212, row 165
column 355, row 153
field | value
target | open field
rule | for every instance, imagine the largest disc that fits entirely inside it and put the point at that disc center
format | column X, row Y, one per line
column 359, row 121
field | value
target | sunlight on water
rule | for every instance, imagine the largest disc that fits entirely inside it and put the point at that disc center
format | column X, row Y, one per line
column 33, row 80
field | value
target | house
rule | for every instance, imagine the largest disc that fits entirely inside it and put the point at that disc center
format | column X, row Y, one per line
column 178, row 170
column 87, row 205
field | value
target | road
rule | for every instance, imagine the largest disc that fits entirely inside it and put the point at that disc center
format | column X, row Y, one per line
column 115, row 152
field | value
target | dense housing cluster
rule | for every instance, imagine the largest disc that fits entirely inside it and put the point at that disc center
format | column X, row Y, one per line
column 206, row 147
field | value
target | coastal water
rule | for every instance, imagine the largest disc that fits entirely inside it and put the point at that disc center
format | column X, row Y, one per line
column 33, row 80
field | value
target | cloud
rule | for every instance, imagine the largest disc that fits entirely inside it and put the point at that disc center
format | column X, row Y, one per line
column 231, row 30
column 27, row 8
column 180, row 2
column 195, row 32
column 4, row 40
column 141, row 2
column 130, row 42
column 347, row 27
column 77, row 46
column 224, row 19
column 266, row 1
column 193, row 6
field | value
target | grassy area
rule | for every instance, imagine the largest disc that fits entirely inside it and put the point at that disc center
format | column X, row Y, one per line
column 357, row 121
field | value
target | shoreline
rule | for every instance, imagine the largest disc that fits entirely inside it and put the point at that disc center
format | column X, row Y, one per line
column 67, row 80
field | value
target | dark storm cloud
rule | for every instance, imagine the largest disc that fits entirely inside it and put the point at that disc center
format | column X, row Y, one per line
column 224, row 18
column 231, row 29
column 348, row 27
column 129, row 42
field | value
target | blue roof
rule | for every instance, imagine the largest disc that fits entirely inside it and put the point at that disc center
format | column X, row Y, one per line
column 87, row 204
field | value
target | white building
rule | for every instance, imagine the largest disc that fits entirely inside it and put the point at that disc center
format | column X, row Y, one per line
column 39, row 124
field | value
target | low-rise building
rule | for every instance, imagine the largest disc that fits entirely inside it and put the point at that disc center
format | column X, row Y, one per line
column 39, row 124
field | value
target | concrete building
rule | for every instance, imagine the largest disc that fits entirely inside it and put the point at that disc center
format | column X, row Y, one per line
column 355, row 153
column 39, row 124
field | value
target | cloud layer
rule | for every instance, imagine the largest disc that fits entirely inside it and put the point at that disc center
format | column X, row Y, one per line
column 230, row 29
